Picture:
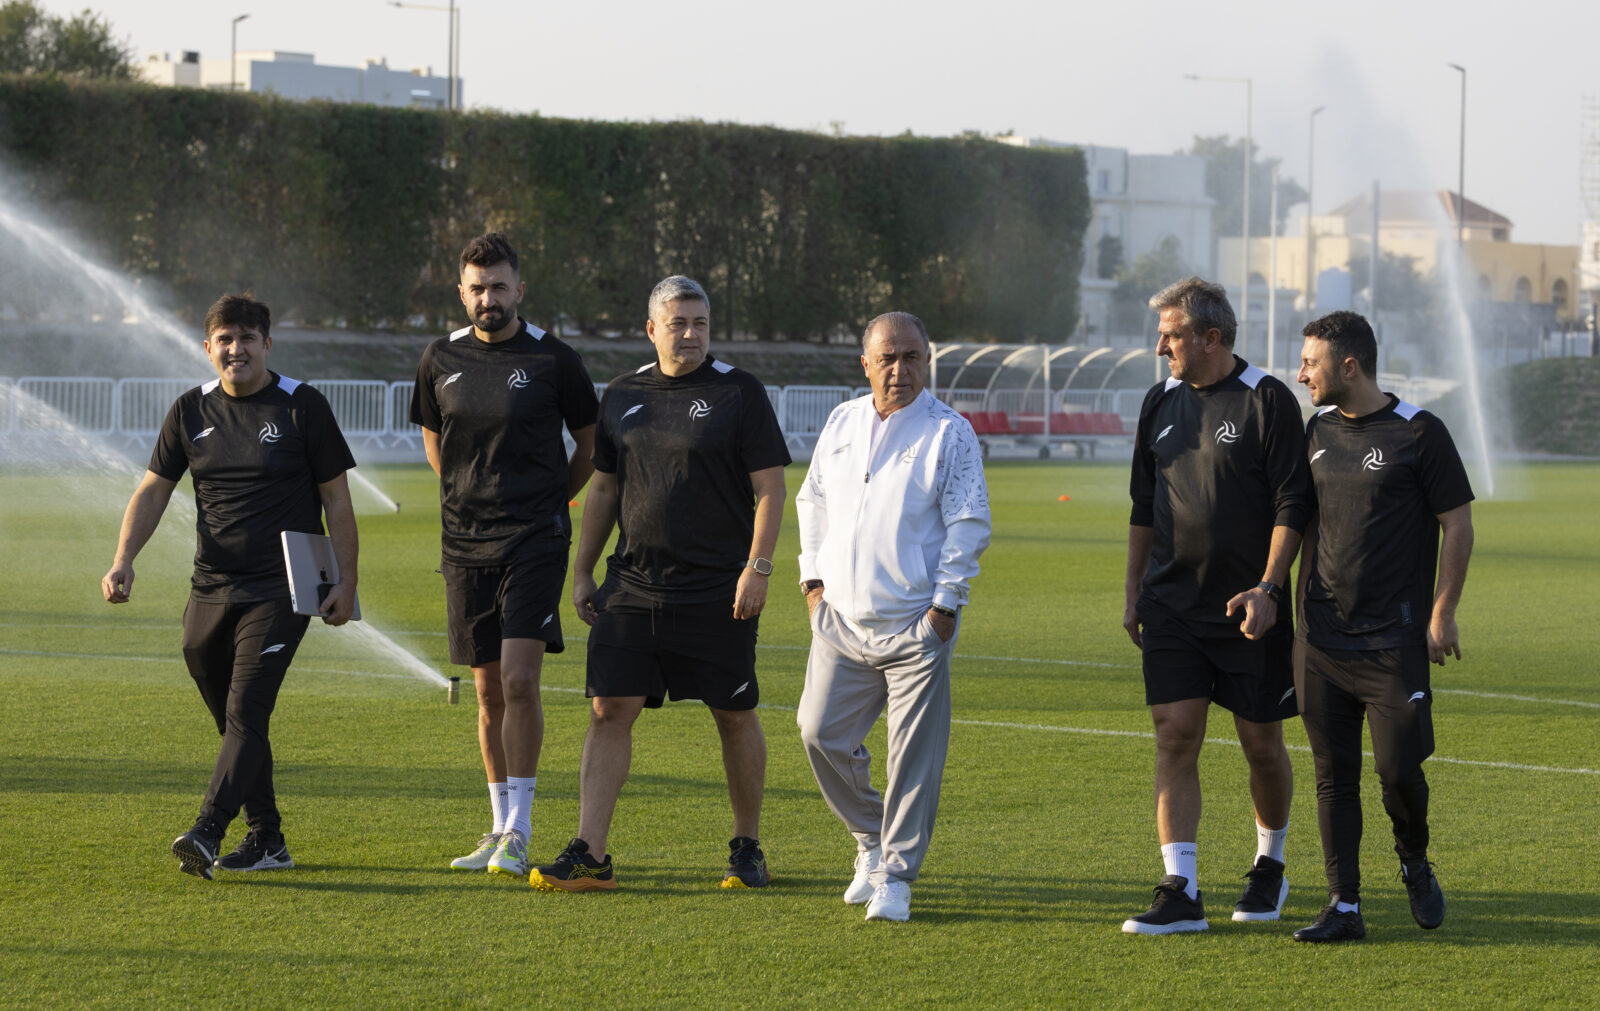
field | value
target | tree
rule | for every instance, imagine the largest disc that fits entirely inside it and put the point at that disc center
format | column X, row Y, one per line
column 1151, row 272
column 1109, row 258
column 1401, row 287
column 35, row 42
column 1225, row 184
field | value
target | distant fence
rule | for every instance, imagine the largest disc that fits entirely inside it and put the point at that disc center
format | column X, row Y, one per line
column 375, row 415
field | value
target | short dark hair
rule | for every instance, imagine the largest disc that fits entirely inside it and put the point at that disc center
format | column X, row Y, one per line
column 895, row 321
column 1350, row 336
column 489, row 249
column 1203, row 304
column 242, row 310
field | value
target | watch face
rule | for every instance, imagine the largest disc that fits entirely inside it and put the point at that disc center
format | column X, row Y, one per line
column 762, row 566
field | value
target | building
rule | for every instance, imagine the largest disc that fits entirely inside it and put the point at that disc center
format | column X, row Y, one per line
column 298, row 76
column 1420, row 225
column 1139, row 202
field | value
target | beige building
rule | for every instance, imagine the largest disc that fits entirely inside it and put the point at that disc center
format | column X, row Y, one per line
column 1421, row 225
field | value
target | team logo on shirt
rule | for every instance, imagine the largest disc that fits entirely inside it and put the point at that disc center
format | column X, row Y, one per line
column 1317, row 455
column 274, row 648
column 699, row 409
column 1163, row 434
column 1416, row 697
column 268, row 433
column 517, row 379
column 204, row 433
column 1227, row 433
column 635, row 409
column 449, row 379
column 1373, row 460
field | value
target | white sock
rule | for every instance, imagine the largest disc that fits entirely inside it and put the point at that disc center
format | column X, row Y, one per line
column 497, row 803
column 519, row 814
column 1181, row 859
column 1269, row 841
column 1346, row 907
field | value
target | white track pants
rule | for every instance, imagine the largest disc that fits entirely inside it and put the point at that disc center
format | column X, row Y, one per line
column 849, row 681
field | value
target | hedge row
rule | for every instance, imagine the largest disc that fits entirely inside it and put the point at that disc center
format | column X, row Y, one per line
column 357, row 213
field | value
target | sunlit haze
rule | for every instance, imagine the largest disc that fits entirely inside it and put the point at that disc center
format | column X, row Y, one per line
column 1109, row 74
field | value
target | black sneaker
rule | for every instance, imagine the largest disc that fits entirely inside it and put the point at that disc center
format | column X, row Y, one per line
column 1173, row 912
column 197, row 848
column 1332, row 925
column 747, row 865
column 1263, row 896
column 575, row 870
column 257, row 853
column 1427, row 898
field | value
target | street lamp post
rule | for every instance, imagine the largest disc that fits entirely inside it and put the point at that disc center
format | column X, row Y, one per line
column 1249, row 144
column 453, row 55
column 233, row 61
column 1311, row 245
column 1461, row 167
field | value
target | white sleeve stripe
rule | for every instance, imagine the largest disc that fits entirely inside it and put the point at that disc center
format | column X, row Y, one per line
column 721, row 366
column 288, row 385
column 1252, row 376
column 208, row 387
column 458, row 334
column 1405, row 410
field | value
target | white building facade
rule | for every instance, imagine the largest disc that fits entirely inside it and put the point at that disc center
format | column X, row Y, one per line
column 1143, row 201
column 299, row 77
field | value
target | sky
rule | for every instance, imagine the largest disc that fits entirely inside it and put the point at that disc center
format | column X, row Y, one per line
column 1107, row 72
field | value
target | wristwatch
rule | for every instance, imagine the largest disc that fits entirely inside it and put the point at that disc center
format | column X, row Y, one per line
column 1271, row 589
column 763, row 566
column 808, row 585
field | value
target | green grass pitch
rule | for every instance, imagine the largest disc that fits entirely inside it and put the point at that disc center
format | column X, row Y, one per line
column 1045, row 841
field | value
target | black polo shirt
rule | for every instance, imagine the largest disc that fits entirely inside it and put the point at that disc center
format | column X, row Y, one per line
column 498, row 409
column 256, row 462
column 1381, row 480
column 683, row 449
column 1214, row 470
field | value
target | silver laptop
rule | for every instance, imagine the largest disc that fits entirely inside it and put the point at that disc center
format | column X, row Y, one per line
column 312, row 569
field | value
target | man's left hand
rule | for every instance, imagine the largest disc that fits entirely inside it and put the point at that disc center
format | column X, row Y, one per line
column 944, row 626
column 751, row 596
column 339, row 604
column 1260, row 612
column 1444, row 639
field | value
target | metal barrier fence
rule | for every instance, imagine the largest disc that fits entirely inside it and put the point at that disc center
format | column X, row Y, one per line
column 377, row 412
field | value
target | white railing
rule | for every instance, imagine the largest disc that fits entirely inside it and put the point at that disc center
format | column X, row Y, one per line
column 377, row 412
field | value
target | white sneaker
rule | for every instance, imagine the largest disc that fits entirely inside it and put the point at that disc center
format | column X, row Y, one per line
column 478, row 859
column 860, row 889
column 510, row 856
column 891, row 901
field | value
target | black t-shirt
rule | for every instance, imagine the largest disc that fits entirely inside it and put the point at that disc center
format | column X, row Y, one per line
column 683, row 449
column 257, row 461
column 498, row 409
column 1214, row 470
column 1381, row 482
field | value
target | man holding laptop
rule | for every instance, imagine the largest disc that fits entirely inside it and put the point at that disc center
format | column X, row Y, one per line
column 267, row 456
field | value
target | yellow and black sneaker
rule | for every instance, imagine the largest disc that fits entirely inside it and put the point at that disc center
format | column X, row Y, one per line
column 575, row 870
column 747, row 865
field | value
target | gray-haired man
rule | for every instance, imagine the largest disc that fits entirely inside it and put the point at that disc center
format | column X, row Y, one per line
column 886, row 564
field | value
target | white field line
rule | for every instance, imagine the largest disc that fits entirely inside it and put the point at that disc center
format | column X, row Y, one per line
column 988, row 724
column 1502, row 696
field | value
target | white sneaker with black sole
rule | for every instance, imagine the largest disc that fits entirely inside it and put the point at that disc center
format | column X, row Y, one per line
column 861, row 889
column 1263, row 896
column 1172, row 912
column 257, row 854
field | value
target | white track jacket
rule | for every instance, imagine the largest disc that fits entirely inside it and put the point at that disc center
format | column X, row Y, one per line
column 893, row 513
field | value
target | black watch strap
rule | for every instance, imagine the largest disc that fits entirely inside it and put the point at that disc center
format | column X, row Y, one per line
column 1273, row 591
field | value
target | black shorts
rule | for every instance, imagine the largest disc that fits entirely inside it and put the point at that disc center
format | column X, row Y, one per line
column 521, row 600
column 1254, row 679
column 701, row 651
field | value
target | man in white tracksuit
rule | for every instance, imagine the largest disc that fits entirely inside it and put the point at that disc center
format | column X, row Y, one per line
column 894, row 513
